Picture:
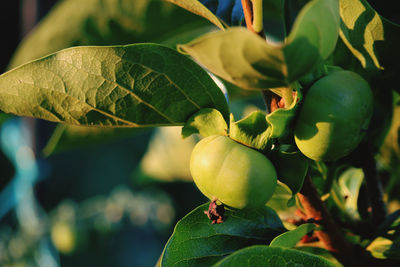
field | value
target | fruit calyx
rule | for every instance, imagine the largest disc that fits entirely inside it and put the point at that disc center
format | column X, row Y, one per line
column 215, row 212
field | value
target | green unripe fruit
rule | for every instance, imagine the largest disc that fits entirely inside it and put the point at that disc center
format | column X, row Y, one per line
column 334, row 116
column 236, row 175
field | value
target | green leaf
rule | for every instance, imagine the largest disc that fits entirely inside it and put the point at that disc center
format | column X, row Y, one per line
column 281, row 120
column 272, row 257
column 240, row 57
column 253, row 130
column 320, row 252
column 126, row 86
column 197, row 242
column 198, row 8
column 248, row 61
column 372, row 39
column 292, row 237
column 274, row 20
column 317, row 26
column 291, row 167
column 280, row 200
column 383, row 248
column 205, row 122
column 349, row 183
column 104, row 22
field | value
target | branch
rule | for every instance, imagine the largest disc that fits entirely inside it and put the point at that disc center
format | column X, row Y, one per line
column 248, row 14
column 271, row 100
column 330, row 235
column 374, row 185
column 248, row 10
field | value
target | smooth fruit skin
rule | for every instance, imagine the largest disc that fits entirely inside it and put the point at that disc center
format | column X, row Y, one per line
column 334, row 116
column 236, row 175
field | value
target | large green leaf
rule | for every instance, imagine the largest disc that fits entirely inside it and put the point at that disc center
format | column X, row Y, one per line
column 240, row 57
column 272, row 257
column 248, row 61
column 126, row 86
column 104, row 22
column 372, row 39
column 197, row 242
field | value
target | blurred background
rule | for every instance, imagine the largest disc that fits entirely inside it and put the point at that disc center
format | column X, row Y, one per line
column 77, row 196
column 74, row 196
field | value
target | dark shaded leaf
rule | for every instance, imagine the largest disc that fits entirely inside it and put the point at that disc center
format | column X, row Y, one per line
column 272, row 257
column 197, row 242
column 292, row 237
column 104, row 22
column 372, row 39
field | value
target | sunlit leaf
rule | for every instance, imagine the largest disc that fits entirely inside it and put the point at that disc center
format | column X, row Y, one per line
column 126, row 86
column 383, row 248
column 198, row 8
column 372, row 39
column 248, row 61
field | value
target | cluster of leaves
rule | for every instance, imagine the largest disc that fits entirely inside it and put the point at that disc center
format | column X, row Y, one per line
column 151, row 85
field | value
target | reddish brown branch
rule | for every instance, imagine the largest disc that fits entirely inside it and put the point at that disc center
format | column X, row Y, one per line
column 271, row 100
column 248, row 14
column 330, row 235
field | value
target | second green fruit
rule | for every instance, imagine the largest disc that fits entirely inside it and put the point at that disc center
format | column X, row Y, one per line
column 334, row 116
column 238, row 176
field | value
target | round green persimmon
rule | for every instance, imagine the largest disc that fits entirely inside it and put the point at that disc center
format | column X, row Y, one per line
column 236, row 175
column 334, row 116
